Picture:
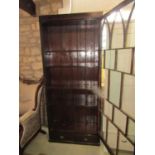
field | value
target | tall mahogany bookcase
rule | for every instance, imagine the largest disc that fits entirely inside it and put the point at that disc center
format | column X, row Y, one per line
column 71, row 61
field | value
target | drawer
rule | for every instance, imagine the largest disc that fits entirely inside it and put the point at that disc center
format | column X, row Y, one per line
column 74, row 138
column 61, row 137
column 87, row 139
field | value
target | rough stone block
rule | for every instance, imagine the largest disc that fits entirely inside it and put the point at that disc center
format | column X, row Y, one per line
column 27, row 51
column 24, row 28
column 36, row 65
column 33, row 26
column 37, row 26
column 35, row 51
column 31, row 59
column 25, row 59
column 23, row 39
column 36, row 34
column 38, row 74
column 38, row 58
column 44, row 10
column 32, row 40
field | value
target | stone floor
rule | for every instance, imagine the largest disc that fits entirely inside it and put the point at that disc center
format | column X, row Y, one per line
column 40, row 146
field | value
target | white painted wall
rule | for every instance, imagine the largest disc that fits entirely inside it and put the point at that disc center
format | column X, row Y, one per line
column 79, row 6
column 93, row 5
column 67, row 4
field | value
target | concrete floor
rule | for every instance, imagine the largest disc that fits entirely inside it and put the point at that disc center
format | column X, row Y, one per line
column 40, row 146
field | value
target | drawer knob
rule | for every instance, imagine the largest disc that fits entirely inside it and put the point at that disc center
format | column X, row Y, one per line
column 85, row 139
column 61, row 137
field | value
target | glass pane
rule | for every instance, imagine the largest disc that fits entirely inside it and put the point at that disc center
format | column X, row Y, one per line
column 125, row 147
column 112, row 137
column 124, row 57
column 128, row 95
column 110, row 59
column 105, row 36
column 108, row 109
column 111, row 18
column 117, row 34
column 130, row 42
column 125, row 12
column 120, row 119
column 131, row 130
column 115, row 86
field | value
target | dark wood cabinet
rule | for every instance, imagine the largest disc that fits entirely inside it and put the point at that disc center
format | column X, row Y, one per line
column 71, row 61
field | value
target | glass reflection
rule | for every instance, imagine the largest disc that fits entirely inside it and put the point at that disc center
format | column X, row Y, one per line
column 112, row 17
column 125, row 11
column 105, row 37
column 117, row 32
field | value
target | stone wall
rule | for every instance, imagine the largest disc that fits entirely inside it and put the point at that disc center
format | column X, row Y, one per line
column 29, row 47
column 30, row 60
column 48, row 7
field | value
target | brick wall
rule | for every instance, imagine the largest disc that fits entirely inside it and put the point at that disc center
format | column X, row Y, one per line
column 30, row 60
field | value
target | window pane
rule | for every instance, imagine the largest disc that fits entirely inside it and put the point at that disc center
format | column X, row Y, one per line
column 115, row 86
column 128, row 96
column 124, row 60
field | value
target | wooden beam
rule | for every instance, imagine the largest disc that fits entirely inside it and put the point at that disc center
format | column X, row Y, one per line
column 28, row 6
